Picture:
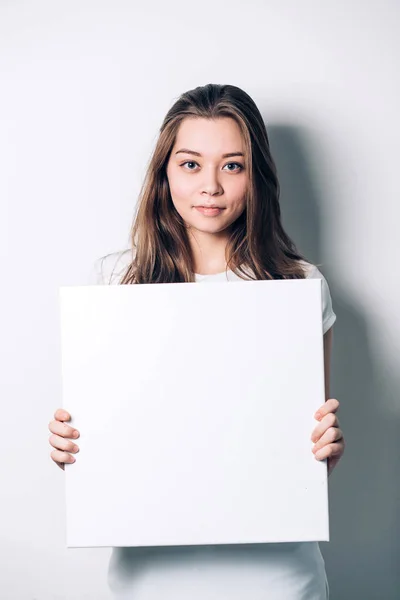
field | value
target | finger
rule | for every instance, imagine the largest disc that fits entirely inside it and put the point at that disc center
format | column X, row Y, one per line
column 62, row 415
column 330, row 406
column 330, row 420
column 61, row 443
column 333, row 434
column 62, row 457
column 63, row 430
column 335, row 449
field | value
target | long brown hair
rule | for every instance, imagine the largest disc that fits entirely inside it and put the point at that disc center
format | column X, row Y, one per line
column 258, row 245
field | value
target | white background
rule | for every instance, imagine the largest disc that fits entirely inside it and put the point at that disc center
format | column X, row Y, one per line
column 84, row 88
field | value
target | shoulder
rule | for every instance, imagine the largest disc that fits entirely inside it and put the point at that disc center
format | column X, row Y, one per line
column 110, row 268
column 328, row 315
column 311, row 270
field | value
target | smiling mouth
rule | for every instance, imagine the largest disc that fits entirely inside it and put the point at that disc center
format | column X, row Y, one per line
column 210, row 211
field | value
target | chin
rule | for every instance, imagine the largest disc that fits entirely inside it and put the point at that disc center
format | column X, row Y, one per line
column 209, row 228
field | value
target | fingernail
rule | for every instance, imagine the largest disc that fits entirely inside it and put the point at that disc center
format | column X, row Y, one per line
column 317, row 415
column 75, row 434
column 75, row 449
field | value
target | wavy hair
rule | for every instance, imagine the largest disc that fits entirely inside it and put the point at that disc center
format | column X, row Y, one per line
column 258, row 246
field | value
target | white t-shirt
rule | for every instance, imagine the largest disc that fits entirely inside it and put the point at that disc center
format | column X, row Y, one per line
column 279, row 571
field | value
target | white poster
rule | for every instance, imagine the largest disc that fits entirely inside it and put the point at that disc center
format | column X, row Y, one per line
column 195, row 405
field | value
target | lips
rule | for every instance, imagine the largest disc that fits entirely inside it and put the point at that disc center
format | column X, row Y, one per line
column 209, row 211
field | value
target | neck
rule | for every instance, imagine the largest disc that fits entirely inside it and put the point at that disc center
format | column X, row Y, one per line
column 208, row 251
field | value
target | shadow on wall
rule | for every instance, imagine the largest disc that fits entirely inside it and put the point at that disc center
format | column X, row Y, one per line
column 362, row 558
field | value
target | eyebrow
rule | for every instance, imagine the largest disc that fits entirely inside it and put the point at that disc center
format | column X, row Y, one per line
column 186, row 151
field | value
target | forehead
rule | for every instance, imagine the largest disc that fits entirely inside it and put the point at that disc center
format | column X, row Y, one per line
column 210, row 137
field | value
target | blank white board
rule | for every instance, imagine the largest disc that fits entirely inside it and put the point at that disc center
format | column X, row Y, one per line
column 195, row 405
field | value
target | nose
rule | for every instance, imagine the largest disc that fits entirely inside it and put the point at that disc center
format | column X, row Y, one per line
column 210, row 183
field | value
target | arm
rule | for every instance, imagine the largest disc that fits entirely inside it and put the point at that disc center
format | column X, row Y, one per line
column 328, row 437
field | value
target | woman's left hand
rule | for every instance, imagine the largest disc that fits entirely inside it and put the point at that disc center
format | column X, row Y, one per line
column 328, row 438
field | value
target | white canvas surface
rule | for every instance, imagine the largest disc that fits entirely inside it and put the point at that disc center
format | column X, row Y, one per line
column 195, row 406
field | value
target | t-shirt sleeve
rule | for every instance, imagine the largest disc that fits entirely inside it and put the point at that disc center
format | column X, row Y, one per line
column 328, row 315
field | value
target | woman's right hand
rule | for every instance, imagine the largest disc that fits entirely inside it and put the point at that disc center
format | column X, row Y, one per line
column 61, row 431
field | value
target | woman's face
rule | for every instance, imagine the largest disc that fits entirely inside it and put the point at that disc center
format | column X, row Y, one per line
column 201, row 177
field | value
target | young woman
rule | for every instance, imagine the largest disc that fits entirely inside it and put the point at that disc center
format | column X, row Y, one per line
column 209, row 211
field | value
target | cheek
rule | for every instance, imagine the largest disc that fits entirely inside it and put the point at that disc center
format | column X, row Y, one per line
column 181, row 193
column 239, row 199
column 181, row 189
